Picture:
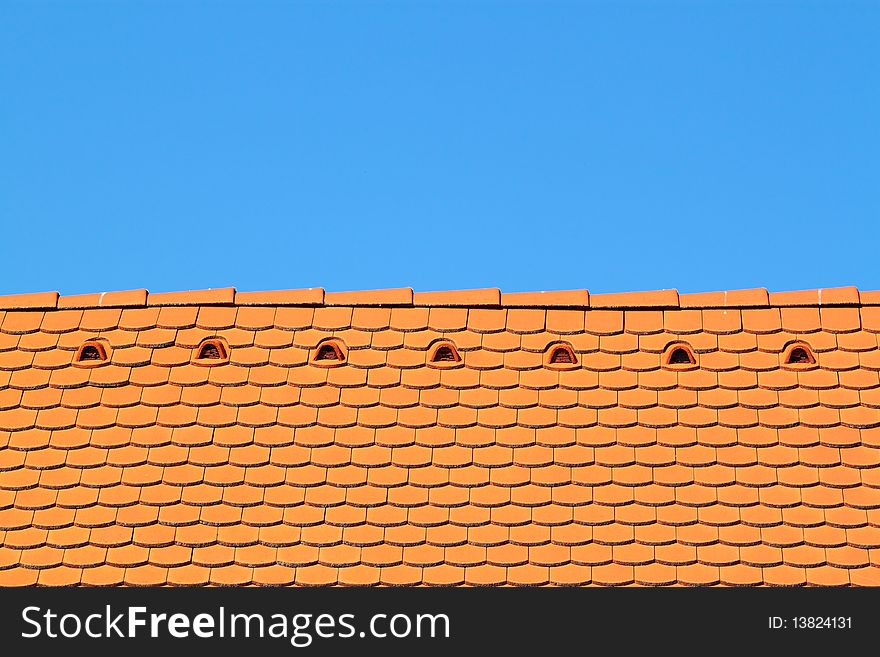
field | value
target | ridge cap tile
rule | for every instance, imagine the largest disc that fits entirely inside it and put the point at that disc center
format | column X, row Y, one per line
column 29, row 301
column 649, row 299
column 828, row 296
column 398, row 296
column 307, row 296
column 117, row 299
column 747, row 298
column 208, row 297
column 490, row 296
column 546, row 299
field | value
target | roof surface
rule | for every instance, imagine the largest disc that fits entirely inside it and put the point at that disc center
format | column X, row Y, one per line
column 502, row 468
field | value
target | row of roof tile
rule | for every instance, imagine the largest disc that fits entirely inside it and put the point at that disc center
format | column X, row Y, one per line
column 487, row 297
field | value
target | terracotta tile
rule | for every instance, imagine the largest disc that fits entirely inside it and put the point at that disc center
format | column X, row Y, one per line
column 423, row 556
column 128, row 556
column 801, row 320
column 193, row 298
column 827, row 577
column 233, row 575
column 255, row 556
column 728, row 298
column 177, row 317
column 864, row 576
column 103, row 576
column 527, row 575
column 655, row 575
column 447, row 319
column 613, row 534
column 741, row 575
column 19, row 577
column 328, row 497
column 485, row 575
column 643, row 322
column 405, row 319
column 465, row 556
column 444, row 575
column 482, row 297
column 61, row 321
column 564, row 298
column 633, row 554
column 287, row 320
column 189, row 575
column 613, row 575
column 359, row 575
column 43, row 557
column 696, row 534
column 387, row 516
column 635, row 514
column 683, row 321
column 718, row 554
column 570, row 575
column 524, row 320
column 840, row 320
column 50, row 518
column 487, row 320
column 18, row 419
column 213, row 556
column 427, row 516
column 839, row 477
column 100, row 319
column 846, row 517
column 84, row 556
column 46, row 300
column 603, row 322
column 17, row 323
column 656, row 299
column 803, row 516
column 387, row 297
column 722, row 321
column 308, row 296
column 698, row 575
column 655, row 534
column 870, row 317
column 363, row 535
column 847, row 557
column 785, row 576
column 782, row 496
column 382, row 556
column 111, row 536
column 821, row 297
column 405, row 535
column 400, row 576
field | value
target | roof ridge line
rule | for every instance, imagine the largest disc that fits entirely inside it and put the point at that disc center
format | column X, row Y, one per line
column 669, row 299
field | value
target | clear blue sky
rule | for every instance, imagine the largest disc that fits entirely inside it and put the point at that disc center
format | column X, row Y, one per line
column 523, row 145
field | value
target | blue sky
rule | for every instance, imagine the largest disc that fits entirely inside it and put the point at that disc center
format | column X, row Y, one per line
column 522, row 145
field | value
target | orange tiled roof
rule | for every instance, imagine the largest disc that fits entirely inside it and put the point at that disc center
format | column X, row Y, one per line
column 495, row 466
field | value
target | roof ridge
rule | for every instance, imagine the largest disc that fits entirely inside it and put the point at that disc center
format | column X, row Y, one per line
column 485, row 297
